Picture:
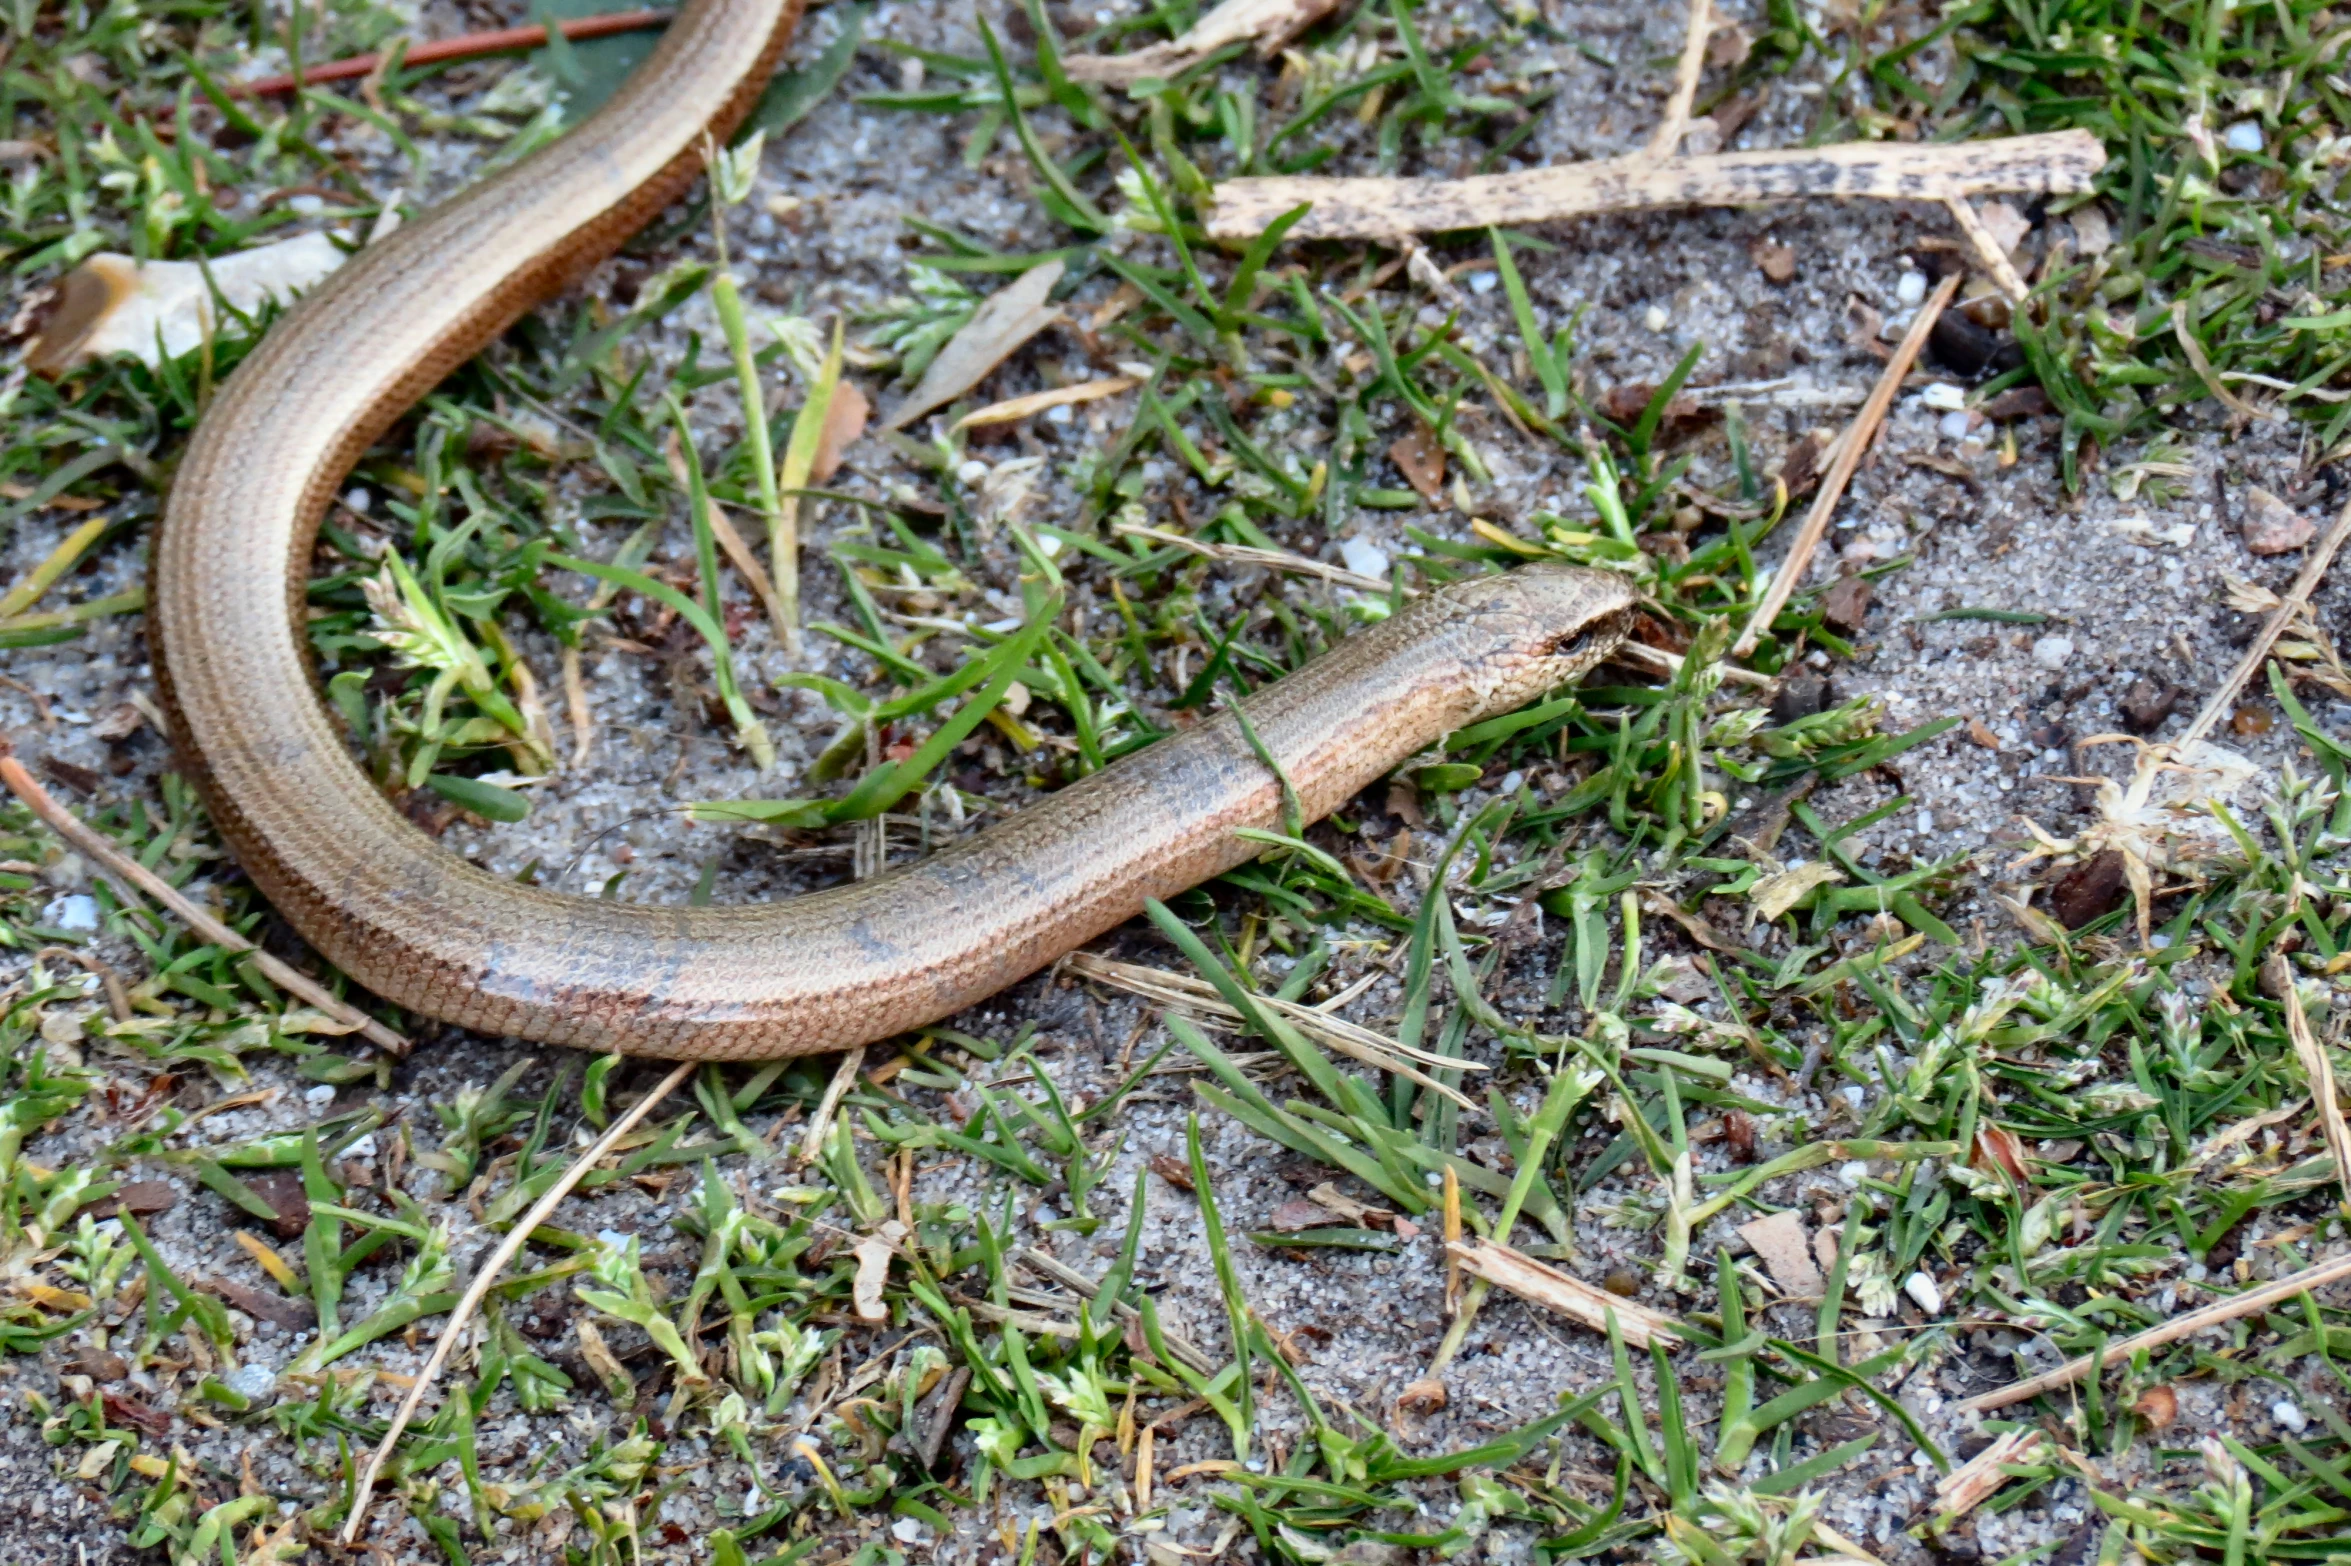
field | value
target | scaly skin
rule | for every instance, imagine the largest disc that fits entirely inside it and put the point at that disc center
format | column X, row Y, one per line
column 427, row 930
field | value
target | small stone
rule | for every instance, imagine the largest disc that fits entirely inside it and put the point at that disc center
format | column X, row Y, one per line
column 254, row 1382
column 1953, row 426
column 2244, row 136
column 77, row 912
column 2053, row 652
column 1363, row 557
column 1911, row 287
column 1945, row 396
column 1655, row 318
column 1483, row 282
column 1923, row 1292
column 2145, row 705
column 2271, row 527
column 2289, row 1415
column 1853, row 1173
column 2090, row 889
column 1622, row 1282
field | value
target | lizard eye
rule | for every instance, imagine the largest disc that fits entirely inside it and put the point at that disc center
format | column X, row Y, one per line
column 1573, row 645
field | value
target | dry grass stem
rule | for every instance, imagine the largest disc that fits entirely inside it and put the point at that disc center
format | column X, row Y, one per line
column 2295, row 602
column 487, row 1274
column 1272, row 23
column 502, row 40
column 1850, row 446
column 1012, row 409
column 1513, row 1270
column 2195, row 1321
column 821, row 1123
column 2057, row 163
column 1987, row 249
column 1670, row 130
column 1348, row 1038
column 2278, row 971
column 130, row 877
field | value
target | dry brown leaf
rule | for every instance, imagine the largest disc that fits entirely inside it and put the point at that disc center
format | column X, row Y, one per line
column 1421, row 460
column 1997, row 1147
column 1272, row 23
column 1422, row 1397
column 1008, row 318
column 113, row 304
column 844, row 423
column 2159, row 1405
column 1786, row 1251
column 605, row 1363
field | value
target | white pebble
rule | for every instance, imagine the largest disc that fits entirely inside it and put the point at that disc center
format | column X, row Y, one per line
column 1058, row 415
column 1854, row 1173
column 1921, row 1288
column 1511, row 781
column 1945, row 395
column 1953, row 426
column 1049, row 546
column 1655, row 318
column 1911, row 287
column 2244, row 136
column 2289, row 1415
column 2053, row 652
column 365, row 1147
column 78, row 911
column 971, row 472
column 906, row 1530
column 1926, row 823
column 1483, row 282
column 258, row 1381
column 358, row 499
column 1363, row 557
column 320, row 1096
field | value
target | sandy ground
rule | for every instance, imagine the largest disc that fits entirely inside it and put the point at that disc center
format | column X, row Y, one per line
column 2129, row 603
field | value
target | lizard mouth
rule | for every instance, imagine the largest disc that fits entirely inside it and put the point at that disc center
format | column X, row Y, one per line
column 1592, row 641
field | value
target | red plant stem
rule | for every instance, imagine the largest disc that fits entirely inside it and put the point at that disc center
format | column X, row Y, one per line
column 462, row 47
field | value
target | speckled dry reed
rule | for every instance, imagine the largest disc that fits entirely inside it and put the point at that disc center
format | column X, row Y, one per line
column 424, row 928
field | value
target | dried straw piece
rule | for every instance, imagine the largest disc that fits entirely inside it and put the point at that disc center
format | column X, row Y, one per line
column 2195, row 1321
column 1850, row 446
column 131, row 877
column 1987, row 249
column 1012, row 409
column 2278, row 973
column 2297, row 600
column 2057, row 163
column 1514, row 1270
column 1969, row 1485
column 508, row 1248
column 1272, row 23
column 1350, row 1039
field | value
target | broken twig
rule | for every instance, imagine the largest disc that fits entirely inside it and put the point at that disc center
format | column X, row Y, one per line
column 1522, row 1275
column 502, row 40
column 2059, row 162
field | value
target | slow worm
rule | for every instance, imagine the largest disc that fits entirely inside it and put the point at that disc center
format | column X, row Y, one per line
column 425, row 929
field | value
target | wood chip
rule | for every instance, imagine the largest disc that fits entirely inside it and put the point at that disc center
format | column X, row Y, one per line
column 1777, row 263
column 2271, row 527
column 1007, row 319
column 1531, row 1280
column 140, row 1197
column 1173, row 1170
column 2060, row 162
column 1013, row 409
column 1787, row 1253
